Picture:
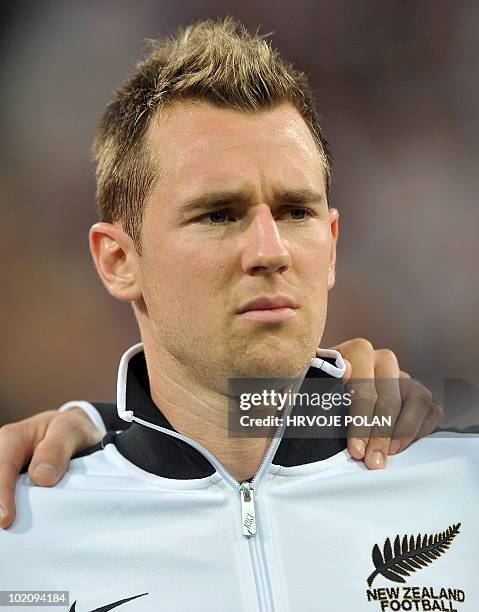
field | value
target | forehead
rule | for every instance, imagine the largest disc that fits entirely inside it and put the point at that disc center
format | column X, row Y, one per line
column 199, row 146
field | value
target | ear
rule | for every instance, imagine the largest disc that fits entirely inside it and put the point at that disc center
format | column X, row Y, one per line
column 334, row 221
column 116, row 260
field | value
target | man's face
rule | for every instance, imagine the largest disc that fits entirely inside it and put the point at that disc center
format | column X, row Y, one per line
column 239, row 213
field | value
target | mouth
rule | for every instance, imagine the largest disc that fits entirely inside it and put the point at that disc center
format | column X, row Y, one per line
column 275, row 309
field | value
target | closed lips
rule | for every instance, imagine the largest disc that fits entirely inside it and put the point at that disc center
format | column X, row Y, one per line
column 268, row 303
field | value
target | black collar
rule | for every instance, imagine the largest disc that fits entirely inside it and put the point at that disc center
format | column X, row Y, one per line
column 169, row 457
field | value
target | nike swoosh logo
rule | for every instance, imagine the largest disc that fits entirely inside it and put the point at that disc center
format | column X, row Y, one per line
column 109, row 606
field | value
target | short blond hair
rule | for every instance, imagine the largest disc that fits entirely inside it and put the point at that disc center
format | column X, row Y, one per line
column 216, row 61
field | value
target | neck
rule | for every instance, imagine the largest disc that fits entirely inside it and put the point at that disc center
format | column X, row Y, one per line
column 201, row 413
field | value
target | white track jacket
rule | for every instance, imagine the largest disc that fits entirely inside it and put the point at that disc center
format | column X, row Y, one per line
column 149, row 520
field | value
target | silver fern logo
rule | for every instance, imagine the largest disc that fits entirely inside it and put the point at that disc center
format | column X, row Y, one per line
column 410, row 554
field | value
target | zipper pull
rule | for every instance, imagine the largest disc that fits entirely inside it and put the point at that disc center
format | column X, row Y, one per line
column 248, row 515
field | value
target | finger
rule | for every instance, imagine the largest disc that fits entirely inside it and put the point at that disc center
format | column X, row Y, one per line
column 361, row 411
column 386, row 410
column 416, row 406
column 360, row 355
column 431, row 422
column 15, row 452
column 347, row 373
column 68, row 434
column 8, row 478
column 377, row 452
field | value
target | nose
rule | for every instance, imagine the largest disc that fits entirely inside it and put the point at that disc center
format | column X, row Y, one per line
column 264, row 251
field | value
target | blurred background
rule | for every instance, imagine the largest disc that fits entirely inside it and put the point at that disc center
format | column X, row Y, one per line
column 397, row 86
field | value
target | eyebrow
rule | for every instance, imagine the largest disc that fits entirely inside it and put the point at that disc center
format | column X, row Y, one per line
column 218, row 199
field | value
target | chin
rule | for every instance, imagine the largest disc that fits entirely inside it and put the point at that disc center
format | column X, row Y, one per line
column 262, row 362
column 282, row 371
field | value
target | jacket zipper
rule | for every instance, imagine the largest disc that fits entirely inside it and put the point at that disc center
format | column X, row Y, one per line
column 248, row 511
column 245, row 489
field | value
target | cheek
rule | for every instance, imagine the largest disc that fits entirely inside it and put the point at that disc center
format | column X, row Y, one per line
column 182, row 282
column 311, row 260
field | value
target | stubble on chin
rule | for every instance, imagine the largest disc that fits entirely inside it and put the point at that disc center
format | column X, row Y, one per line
column 270, row 353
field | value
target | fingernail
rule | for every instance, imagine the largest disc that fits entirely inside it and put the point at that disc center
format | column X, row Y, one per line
column 394, row 447
column 3, row 513
column 359, row 447
column 378, row 459
column 45, row 471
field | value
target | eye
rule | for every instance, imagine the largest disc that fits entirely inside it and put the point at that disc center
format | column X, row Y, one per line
column 300, row 213
column 216, row 217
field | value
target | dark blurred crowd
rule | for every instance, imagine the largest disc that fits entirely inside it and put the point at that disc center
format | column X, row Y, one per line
column 397, row 86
